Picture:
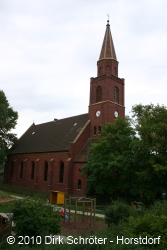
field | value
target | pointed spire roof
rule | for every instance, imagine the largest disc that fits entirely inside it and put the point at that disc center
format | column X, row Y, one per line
column 107, row 50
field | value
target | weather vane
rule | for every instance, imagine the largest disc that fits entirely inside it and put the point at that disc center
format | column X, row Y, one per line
column 108, row 16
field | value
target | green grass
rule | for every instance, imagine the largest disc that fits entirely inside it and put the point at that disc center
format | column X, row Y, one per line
column 4, row 195
column 15, row 194
column 8, row 195
column 6, row 207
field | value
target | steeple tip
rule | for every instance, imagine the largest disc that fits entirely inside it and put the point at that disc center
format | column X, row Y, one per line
column 108, row 50
column 108, row 20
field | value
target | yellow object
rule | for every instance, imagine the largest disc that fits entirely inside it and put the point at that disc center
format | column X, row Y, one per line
column 57, row 197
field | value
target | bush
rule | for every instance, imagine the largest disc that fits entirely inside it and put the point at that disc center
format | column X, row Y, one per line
column 117, row 211
column 33, row 217
column 151, row 226
column 159, row 208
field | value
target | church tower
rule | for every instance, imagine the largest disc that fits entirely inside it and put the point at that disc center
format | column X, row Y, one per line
column 107, row 89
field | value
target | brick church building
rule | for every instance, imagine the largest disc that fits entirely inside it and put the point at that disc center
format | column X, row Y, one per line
column 49, row 156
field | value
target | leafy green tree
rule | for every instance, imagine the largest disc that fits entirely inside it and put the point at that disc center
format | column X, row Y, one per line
column 131, row 154
column 33, row 217
column 150, row 123
column 8, row 118
column 110, row 166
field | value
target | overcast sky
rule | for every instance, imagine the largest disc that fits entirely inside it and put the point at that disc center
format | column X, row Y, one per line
column 49, row 50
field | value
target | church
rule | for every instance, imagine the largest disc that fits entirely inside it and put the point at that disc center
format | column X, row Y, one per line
column 49, row 156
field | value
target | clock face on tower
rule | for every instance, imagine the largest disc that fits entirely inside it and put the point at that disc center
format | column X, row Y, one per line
column 97, row 113
column 116, row 113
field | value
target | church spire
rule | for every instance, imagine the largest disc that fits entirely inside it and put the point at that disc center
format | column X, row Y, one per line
column 107, row 50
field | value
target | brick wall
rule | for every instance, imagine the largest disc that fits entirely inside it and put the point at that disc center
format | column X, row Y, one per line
column 38, row 182
column 13, row 167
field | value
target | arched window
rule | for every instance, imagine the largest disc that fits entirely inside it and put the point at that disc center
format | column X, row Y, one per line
column 21, row 170
column 45, row 171
column 94, row 130
column 61, row 173
column 116, row 95
column 79, row 184
column 100, row 71
column 108, row 68
column 99, row 130
column 32, row 170
column 99, row 94
column 115, row 71
column 11, row 170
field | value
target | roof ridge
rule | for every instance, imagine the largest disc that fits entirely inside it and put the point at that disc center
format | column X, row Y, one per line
column 72, row 116
column 60, row 119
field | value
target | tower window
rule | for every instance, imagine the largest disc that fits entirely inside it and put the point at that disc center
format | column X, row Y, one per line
column 108, row 68
column 99, row 130
column 116, row 95
column 79, row 184
column 100, row 71
column 94, row 130
column 115, row 71
column 46, row 171
column 98, row 94
column 32, row 170
column 61, row 173
column 21, row 170
column 11, row 170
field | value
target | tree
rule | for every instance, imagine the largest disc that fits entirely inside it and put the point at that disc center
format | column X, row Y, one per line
column 8, row 118
column 110, row 166
column 150, row 123
column 33, row 217
column 131, row 154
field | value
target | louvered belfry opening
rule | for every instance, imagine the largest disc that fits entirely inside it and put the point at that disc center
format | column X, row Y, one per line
column 99, row 94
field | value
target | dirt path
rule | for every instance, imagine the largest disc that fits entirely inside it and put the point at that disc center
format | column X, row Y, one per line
column 82, row 228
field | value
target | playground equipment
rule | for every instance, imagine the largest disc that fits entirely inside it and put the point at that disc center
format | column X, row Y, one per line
column 88, row 209
column 63, row 214
column 57, row 197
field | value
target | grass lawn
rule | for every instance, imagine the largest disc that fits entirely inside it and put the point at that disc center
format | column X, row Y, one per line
column 6, row 207
column 4, row 195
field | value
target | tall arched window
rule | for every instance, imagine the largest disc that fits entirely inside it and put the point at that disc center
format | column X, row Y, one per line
column 61, row 173
column 11, row 170
column 46, row 171
column 79, row 184
column 99, row 94
column 115, row 71
column 21, row 170
column 100, row 70
column 116, row 95
column 94, row 130
column 32, row 170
